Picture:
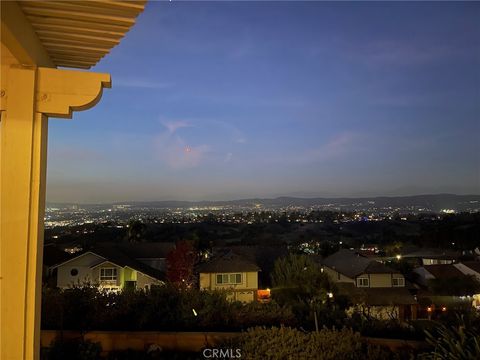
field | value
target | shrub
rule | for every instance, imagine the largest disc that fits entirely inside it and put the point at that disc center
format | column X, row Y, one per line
column 453, row 343
column 287, row 343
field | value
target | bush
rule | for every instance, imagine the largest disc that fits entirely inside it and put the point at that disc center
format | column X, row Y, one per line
column 287, row 343
column 453, row 342
column 162, row 308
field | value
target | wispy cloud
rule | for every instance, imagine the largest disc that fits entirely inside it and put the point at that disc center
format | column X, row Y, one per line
column 173, row 126
column 336, row 148
column 173, row 150
column 399, row 52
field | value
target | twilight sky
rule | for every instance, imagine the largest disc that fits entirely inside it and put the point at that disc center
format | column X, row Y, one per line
column 215, row 100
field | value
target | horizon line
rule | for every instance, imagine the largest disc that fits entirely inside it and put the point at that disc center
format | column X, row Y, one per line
column 260, row 198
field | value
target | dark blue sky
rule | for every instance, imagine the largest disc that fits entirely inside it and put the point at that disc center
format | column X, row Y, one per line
column 215, row 100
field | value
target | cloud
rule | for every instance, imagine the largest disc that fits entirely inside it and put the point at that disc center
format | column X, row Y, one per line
column 173, row 126
column 396, row 52
column 339, row 146
column 174, row 151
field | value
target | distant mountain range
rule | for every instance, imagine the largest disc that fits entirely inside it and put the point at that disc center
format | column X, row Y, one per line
column 434, row 202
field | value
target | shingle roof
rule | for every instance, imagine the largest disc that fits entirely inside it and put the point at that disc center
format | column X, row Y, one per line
column 444, row 271
column 376, row 296
column 352, row 264
column 229, row 262
column 433, row 254
column 474, row 265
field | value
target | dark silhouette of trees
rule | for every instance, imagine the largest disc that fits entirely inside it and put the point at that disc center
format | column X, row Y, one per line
column 136, row 231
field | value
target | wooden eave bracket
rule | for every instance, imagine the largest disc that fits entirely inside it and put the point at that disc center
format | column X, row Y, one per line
column 60, row 92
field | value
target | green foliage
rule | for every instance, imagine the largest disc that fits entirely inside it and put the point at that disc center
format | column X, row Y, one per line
column 302, row 275
column 453, row 343
column 85, row 308
column 287, row 343
column 300, row 284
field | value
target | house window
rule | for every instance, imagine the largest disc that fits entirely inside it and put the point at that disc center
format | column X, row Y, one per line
column 229, row 279
column 398, row 282
column 74, row 272
column 108, row 274
column 363, row 282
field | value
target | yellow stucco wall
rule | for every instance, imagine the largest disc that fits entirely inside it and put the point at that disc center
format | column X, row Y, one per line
column 144, row 281
column 31, row 91
column 336, row 276
column 244, row 291
column 380, row 280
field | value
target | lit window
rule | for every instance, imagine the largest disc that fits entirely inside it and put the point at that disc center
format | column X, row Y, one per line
column 398, row 282
column 363, row 282
column 229, row 278
column 108, row 274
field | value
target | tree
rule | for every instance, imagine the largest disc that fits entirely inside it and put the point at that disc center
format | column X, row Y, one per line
column 180, row 263
column 299, row 282
column 136, row 231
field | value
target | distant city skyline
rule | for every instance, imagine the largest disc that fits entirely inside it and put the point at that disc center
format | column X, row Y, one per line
column 233, row 100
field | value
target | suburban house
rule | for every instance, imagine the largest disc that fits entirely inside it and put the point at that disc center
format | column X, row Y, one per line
column 449, row 275
column 447, row 272
column 377, row 288
column 230, row 272
column 264, row 256
column 116, row 267
column 433, row 256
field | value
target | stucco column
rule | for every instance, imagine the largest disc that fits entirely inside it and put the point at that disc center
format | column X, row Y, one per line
column 28, row 96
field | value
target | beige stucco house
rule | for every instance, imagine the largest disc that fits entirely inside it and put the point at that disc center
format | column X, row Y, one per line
column 378, row 289
column 233, row 273
column 110, row 268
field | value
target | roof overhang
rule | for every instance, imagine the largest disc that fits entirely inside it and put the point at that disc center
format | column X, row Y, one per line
column 74, row 34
